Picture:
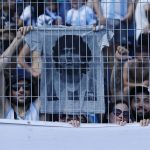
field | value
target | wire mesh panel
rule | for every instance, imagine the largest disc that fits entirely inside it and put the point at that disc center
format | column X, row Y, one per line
column 69, row 67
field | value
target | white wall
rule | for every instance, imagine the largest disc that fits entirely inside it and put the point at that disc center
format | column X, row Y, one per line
column 22, row 135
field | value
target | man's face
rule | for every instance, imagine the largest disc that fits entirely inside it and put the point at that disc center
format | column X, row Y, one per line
column 21, row 92
column 140, row 106
column 68, row 59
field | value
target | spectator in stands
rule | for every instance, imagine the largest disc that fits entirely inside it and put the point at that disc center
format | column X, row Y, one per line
column 136, row 71
column 118, row 113
column 5, row 59
column 50, row 16
column 21, row 103
column 9, row 15
column 142, row 18
column 140, row 104
column 8, row 22
column 31, row 13
column 80, row 14
column 115, row 14
column 129, row 72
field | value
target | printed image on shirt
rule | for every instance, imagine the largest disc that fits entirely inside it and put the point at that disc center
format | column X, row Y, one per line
column 72, row 70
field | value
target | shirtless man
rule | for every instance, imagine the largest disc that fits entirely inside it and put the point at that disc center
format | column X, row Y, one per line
column 129, row 72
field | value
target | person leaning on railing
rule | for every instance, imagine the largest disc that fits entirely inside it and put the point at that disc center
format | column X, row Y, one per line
column 118, row 112
column 5, row 59
column 21, row 102
column 139, row 105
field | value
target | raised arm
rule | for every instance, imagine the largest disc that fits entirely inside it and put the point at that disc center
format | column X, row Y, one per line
column 35, row 68
column 128, row 16
column 24, row 53
column 6, row 56
column 116, row 82
column 98, row 11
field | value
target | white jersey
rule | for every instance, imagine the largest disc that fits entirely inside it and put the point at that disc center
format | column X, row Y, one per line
column 82, row 16
column 140, row 17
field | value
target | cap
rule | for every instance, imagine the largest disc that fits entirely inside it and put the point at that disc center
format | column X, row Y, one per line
column 20, row 74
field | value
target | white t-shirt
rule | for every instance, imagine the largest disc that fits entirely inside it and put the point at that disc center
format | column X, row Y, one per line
column 114, row 9
column 26, row 14
column 31, row 114
column 140, row 17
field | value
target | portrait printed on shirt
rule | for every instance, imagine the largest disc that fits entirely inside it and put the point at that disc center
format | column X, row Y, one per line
column 73, row 76
column 72, row 72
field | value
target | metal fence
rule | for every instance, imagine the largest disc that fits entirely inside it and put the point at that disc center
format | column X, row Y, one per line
column 85, row 61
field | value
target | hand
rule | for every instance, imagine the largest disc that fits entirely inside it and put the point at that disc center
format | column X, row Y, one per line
column 58, row 21
column 145, row 83
column 35, row 73
column 96, row 28
column 74, row 123
column 23, row 31
column 102, row 20
column 144, row 122
column 122, row 53
column 121, row 123
column 146, row 29
column 127, row 18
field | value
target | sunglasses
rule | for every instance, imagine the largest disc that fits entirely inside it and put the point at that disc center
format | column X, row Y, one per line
column 117, row 112
column 16, row 87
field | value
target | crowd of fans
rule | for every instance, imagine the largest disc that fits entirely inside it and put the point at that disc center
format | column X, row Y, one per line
column 127, row 58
